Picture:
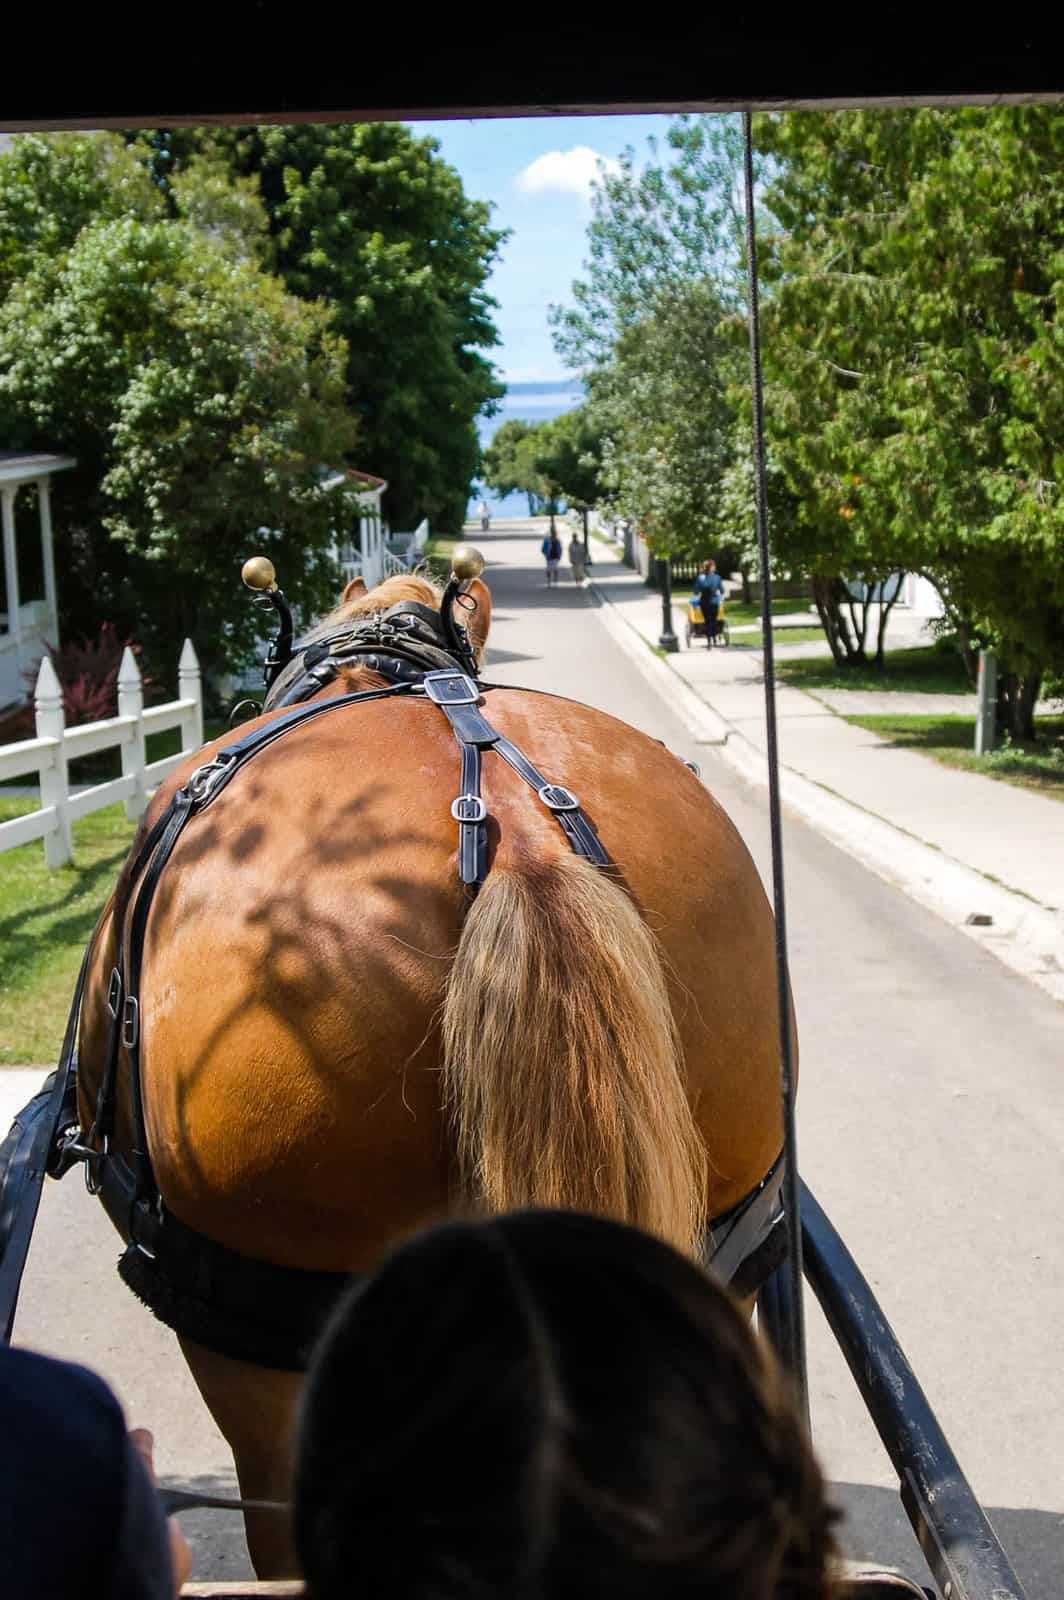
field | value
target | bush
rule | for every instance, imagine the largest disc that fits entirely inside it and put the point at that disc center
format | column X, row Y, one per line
column 88, row 675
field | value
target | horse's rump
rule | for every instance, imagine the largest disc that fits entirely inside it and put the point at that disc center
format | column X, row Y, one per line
column 301, row 941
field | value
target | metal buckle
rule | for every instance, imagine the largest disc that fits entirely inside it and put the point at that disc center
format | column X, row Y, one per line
column 451, row 688
column 202, row 782
column 114, row 994
column 130, row 1022
column 557, row 798
column 468, row 808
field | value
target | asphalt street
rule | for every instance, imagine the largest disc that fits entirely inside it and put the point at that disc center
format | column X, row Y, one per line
column 931, row 1127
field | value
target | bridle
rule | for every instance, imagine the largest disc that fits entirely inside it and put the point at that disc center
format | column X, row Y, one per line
column 401, row 644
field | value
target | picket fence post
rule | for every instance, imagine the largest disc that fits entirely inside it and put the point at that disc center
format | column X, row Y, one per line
column 131, row 704
column 190, row 687
column 55, row 790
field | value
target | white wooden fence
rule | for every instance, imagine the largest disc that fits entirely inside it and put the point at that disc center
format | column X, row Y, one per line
column 56, row 745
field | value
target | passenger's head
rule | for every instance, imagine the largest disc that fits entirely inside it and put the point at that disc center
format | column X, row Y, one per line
column 548, row 1405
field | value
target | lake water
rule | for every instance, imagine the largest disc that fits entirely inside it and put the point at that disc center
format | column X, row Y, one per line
column 527, row 402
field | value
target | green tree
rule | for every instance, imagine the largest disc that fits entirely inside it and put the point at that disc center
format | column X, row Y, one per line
column 573, row 459
column 647, row 328
column 662, row 404
column 53, row 186
column 369, row 219
column 201, row 401
column 915, row 357
column 509, row 463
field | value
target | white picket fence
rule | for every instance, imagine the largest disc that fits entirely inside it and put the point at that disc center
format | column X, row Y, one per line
column 55, row 746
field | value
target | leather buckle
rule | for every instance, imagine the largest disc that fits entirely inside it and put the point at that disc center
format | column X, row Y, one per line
column 114, row 994
column 469, row 808
column 130, row 1022
column 451, row 688
column 558, row 798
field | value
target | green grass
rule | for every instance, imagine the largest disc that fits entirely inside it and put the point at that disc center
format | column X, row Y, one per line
column 780, row 636
column 934, row 669
column 951, row 740
column 47, row 914
column 46, row 917
column 739, row 613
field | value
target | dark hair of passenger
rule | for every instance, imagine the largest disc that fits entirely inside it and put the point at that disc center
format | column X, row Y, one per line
column 549, row 1405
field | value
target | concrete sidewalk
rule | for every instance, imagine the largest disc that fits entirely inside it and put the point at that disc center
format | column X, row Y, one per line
column 1011, row 838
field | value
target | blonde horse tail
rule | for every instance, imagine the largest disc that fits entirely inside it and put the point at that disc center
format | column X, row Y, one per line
column 562, row 1066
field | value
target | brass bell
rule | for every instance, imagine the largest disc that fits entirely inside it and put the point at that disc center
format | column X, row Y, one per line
column 467, row 562
column 258, row 573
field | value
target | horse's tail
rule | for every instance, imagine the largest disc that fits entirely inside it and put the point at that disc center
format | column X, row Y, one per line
column 562, row 1064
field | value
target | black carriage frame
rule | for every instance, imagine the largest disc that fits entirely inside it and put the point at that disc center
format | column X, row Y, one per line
column 578, row 68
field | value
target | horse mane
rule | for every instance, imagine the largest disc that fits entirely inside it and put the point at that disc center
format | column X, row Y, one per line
column 404, row 586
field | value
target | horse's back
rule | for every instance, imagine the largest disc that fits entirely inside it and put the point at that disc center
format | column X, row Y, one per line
column 303, row 934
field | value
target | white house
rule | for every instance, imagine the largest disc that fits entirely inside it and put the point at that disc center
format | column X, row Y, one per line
column 368, row 559
column 29, row 611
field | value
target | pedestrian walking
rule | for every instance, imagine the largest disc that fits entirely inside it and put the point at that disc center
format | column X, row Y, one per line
column 485, row 518
column 578, row 558
column 708, row 596
column 552, row 554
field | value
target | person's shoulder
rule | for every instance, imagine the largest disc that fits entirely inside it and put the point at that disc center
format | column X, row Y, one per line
column 29, row 1381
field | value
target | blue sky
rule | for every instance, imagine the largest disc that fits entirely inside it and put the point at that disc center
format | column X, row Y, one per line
column 536, row 172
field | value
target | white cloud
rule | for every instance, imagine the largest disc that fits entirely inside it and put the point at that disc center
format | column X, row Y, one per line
column 565, row 172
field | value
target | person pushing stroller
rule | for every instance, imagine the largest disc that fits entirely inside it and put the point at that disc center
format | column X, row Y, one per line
column 708, row 597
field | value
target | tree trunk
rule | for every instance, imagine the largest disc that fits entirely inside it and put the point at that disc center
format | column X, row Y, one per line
column 884, row 618
column 829, row 596
column 1017, row 698
column 744, row 573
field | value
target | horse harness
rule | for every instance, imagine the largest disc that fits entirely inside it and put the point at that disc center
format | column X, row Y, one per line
column 242, row 1307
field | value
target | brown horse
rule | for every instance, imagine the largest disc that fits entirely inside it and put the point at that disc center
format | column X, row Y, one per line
column 340, row 1045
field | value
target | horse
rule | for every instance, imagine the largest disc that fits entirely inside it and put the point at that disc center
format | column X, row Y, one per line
column 341, row 1042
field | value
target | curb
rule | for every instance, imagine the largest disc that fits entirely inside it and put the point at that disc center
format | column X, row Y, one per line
column 1025, row 936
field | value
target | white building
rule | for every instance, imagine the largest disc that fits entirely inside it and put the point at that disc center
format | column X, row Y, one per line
column 367, row 559
column 29, row 609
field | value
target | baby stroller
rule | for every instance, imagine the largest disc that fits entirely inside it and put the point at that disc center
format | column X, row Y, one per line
column 695, row 626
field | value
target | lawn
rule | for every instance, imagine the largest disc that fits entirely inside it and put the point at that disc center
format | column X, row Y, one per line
column 46, row 917
column 739, row 614
column 928, row 669
column 1038, row 766
column 47, row 914
column 780, row 636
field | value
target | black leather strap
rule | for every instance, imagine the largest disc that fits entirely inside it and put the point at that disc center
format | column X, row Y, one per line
column 561, row 802
column 471, row 814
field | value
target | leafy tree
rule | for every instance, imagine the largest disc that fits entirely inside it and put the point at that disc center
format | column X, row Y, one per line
column 915, row 358
column 509, row 463
column 201, row 401
column 647, row 327
column 52, row 187
column 573, row 459
column 369, row 219
column 663, row 406
column 656, row 229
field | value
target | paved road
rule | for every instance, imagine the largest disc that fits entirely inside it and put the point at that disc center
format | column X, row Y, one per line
column 931, row 1127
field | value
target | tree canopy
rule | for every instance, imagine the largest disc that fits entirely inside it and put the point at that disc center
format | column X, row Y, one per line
column 914, row 355
column 371, row 220
column 199, row 397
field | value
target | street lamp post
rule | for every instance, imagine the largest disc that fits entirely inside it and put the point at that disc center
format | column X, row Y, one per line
column 668, row 641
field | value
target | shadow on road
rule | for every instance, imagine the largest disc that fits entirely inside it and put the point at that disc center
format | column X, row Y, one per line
column 876, row 1530
column 219, row 1549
